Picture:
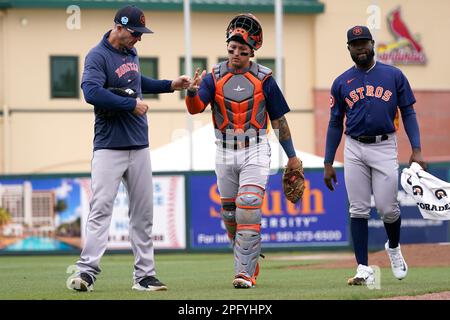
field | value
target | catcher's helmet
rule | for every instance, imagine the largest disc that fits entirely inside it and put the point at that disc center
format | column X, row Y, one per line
column 245, row 27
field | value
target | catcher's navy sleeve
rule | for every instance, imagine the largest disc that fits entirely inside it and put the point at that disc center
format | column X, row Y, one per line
column 93, row 80
column 275, row 102
column 336, row 124
column 149, row 85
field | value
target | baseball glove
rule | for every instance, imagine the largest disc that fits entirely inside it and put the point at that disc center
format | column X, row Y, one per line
column 293, row 183
column 124, row 92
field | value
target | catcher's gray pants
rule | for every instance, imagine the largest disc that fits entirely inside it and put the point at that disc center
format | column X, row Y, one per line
column 245, row 172
column 246, row 166
column 109, row 168
column 372, row 168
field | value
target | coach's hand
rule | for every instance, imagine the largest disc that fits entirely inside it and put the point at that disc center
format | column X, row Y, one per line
column 180, row 83
column 329, row 174
column 141, row 107
column 416, row 156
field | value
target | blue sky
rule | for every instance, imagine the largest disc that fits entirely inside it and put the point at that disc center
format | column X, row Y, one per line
column 66, row 189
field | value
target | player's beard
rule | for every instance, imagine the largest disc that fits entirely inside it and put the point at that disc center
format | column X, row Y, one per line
column 364, row 62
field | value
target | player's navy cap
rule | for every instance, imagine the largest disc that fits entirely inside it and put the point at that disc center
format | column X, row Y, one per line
column 358, row 32
column 133, row 18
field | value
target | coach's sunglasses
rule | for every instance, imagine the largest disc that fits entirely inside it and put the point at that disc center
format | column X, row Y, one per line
column 134, row 34
column 242, row 53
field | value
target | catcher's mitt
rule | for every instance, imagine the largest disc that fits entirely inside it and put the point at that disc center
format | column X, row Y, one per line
column 124, row 92
column 293, row 183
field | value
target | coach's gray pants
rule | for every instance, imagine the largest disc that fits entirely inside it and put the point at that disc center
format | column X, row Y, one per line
column 372, row 168
column 109, row 168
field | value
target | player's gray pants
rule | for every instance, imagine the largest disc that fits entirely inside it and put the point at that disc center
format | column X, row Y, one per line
column 372, row 168
column 109, row 168
column 236, row 169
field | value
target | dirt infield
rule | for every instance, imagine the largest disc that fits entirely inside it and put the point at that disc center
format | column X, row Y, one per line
column 428, row 296
column 416, row 255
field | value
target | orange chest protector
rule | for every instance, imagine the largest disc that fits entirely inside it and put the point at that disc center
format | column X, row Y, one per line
column 239, row 103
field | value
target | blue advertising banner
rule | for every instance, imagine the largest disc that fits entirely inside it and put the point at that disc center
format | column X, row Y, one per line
column 414, row 229
column 320, row 219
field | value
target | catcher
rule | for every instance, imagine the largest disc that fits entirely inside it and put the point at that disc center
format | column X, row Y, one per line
column 244, row 98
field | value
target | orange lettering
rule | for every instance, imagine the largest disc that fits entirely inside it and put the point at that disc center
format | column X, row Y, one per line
column 306, row 200
column 349, row 103
column 354, row 96
column 292, row 209
column 360, row 90
column 387, row 95
column 369, row 90
column 215, row 197
column 275, row 198
column 379, row 92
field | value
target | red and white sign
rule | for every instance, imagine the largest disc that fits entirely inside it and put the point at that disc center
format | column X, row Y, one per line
column 406, row 48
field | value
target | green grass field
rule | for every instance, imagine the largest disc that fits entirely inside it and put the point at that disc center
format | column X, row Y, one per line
column 205, row 277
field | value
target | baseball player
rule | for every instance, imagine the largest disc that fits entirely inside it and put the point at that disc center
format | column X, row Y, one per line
column 121, row 149
column 243, row 97
column 369, row 95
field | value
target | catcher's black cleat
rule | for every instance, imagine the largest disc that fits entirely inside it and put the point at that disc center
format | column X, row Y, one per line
column 149, row 283
column 82, row 282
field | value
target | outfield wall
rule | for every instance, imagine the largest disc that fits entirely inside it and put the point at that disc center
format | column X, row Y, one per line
column 48, row 214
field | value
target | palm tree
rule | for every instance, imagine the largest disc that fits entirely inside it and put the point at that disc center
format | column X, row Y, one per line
column 5, row 218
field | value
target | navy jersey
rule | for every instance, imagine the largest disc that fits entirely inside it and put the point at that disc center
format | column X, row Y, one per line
column 369, row 101
column 116, row 127
column 276, row 104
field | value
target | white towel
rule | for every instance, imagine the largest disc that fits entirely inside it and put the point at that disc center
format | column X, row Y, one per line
column 431, row 194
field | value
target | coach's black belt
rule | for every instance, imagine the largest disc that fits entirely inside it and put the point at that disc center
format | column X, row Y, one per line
column 240, row 144
column 371, row 139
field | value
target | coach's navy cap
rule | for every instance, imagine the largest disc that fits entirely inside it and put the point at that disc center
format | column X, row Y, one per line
column 133, row 18
column 358, row 32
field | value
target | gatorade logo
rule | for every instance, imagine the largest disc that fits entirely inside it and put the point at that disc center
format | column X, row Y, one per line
column 440, row 193
column 409, row 181
column 417, row 190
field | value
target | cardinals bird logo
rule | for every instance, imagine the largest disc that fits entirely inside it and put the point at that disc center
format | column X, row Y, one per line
column 406, row 48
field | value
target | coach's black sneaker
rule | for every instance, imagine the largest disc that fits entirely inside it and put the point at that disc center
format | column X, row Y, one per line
column 149, row 283
column 82, row 282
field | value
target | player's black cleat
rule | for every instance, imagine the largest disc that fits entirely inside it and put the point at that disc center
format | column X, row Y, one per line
column 149, row 283
column 82, row 282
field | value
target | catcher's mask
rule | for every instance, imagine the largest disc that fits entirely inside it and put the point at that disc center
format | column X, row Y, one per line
column 245, row 28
